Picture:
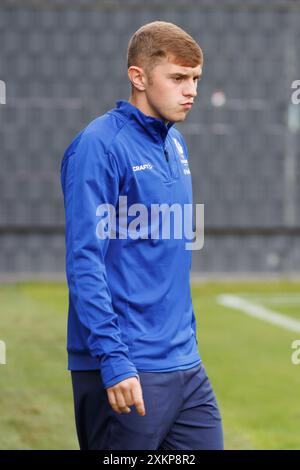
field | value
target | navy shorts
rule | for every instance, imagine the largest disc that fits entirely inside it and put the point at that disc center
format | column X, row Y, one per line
column 182, row 413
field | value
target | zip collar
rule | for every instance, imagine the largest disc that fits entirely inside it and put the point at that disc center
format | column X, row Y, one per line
column 154, row 126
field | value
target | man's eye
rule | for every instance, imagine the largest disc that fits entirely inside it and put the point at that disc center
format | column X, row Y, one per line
column 178, row 79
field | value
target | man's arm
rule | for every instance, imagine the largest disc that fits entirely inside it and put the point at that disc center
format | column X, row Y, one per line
column 89, row 178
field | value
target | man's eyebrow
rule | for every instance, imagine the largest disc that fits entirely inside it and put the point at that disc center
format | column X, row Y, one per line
column 179, row 74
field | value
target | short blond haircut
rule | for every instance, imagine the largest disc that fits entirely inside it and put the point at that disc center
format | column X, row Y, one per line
column 160, row 39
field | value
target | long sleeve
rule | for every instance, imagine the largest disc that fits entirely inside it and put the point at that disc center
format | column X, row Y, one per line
column 89, row 177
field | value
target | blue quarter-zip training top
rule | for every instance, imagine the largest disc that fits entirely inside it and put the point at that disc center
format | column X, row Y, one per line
column 130, row 305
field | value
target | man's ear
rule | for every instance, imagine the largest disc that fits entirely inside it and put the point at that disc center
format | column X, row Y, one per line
column 137, row 77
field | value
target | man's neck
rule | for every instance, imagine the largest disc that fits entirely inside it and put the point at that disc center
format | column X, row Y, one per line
column 145, row 108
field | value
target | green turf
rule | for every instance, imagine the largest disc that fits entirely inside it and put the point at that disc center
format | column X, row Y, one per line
column 247, row 360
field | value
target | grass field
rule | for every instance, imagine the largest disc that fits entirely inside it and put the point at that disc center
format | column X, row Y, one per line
column 247, row 359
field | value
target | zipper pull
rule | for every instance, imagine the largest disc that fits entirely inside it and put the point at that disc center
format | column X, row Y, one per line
column 166, row 154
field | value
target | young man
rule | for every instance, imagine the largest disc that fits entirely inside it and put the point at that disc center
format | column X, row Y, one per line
column 138, row 379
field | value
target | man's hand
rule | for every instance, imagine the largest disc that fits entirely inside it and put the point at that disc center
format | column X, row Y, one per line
column 125, row 394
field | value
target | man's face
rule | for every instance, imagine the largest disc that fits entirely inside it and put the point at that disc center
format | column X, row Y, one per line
column 171, row 86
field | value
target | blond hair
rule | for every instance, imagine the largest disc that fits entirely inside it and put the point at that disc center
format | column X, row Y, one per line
column 159, row 39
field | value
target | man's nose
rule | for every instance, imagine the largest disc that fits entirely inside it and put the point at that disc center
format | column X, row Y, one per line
column 190, row 89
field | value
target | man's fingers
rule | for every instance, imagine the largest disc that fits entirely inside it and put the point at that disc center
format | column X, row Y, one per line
column 125, row 388
column 125, row 394
column 121, row 403
column 137, row 397
column 112, row 401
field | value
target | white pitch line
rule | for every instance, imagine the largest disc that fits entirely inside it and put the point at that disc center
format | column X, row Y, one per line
column 291, row 298
column 258, row 311
column 275, row 301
